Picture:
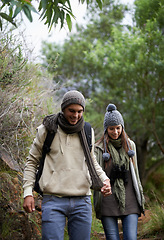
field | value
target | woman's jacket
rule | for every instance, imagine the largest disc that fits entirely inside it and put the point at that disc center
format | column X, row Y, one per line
column 135, row 179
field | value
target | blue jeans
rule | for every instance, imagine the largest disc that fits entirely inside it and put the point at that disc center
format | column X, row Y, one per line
column 77, row 210
column 129, row 224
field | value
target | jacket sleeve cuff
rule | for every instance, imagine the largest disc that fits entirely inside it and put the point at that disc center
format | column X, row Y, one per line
column 103, row 177
column 28, row 191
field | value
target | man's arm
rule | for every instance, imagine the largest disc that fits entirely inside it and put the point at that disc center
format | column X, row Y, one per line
column 106, row 189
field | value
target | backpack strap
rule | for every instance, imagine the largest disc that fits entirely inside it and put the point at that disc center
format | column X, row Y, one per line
column 88, row 133
column 47, row 143
column 46, row 149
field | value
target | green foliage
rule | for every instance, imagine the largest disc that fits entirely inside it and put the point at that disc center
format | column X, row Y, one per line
column 12, row 62
column 14, row 224
column 109, row 63
column 130, row 71
column 7, row 18
column 71, row 67
column 155, row 226
column 154, row 186
column 14, row 8
column 50, row 11
column 54, row 10
column 6, row 227
column 96, row 229
column 26, row 96
column 149, row 10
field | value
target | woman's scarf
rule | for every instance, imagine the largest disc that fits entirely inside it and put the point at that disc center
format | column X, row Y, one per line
column 119, row 171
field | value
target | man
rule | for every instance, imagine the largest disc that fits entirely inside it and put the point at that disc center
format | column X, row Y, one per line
column 65, row 180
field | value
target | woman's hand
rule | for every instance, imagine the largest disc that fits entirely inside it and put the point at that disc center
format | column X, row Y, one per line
column 106, row 189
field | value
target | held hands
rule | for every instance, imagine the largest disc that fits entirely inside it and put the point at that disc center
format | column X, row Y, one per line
column 106, row 189
column 28, row 204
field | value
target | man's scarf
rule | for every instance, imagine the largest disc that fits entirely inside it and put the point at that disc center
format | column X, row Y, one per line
column 51, row 122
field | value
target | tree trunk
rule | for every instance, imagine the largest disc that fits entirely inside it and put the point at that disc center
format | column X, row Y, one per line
column 141, row 145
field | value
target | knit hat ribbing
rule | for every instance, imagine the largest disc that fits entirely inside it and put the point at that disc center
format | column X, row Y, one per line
column 73, row 97
column 112, row 117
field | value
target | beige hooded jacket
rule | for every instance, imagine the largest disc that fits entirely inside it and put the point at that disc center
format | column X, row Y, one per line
column 65, row 171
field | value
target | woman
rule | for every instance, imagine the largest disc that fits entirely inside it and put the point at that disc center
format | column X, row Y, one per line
column 116, row 153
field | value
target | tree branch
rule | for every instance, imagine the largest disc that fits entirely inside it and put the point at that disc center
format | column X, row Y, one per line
column 152, row 169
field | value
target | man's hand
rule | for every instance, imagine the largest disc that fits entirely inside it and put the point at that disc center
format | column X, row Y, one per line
column 28, row 204
column 106, row 189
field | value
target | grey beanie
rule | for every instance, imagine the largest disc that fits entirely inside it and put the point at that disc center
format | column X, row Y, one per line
column 112, row 117
column 73, row 97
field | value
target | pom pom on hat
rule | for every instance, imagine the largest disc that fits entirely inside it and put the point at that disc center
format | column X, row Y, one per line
column 131, row 153
column 111, row 107
column 106, row 157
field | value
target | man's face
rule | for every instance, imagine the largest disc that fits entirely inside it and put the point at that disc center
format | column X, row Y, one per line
column 73, row 113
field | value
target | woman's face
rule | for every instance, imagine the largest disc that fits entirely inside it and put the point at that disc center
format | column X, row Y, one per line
column 114, row 131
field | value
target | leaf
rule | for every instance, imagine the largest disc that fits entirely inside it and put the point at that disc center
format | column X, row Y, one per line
column 11, row 11
column 69, row 4
column 2, row 6
column 43, row 4
column 17, row 10
column 7, row 17
column 32, row 8
column 99, row 3
column 69, row 22
column 62, row 13
column 0, row 24
column 27, row 12
column 82, row 1
column 69, row 11
column 40, row 6
column 56, row 16
column 49, row 15
column 41, row 16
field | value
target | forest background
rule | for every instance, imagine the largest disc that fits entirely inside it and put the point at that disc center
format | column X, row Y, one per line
column 109, row 62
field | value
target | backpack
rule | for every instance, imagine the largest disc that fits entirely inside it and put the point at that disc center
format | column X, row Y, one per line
column 46, row 149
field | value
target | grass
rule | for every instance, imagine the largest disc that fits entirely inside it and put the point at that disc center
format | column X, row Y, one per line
column 154, row 228
column 96, row 229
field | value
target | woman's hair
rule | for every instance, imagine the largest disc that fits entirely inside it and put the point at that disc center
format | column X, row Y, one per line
column 124, row 139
